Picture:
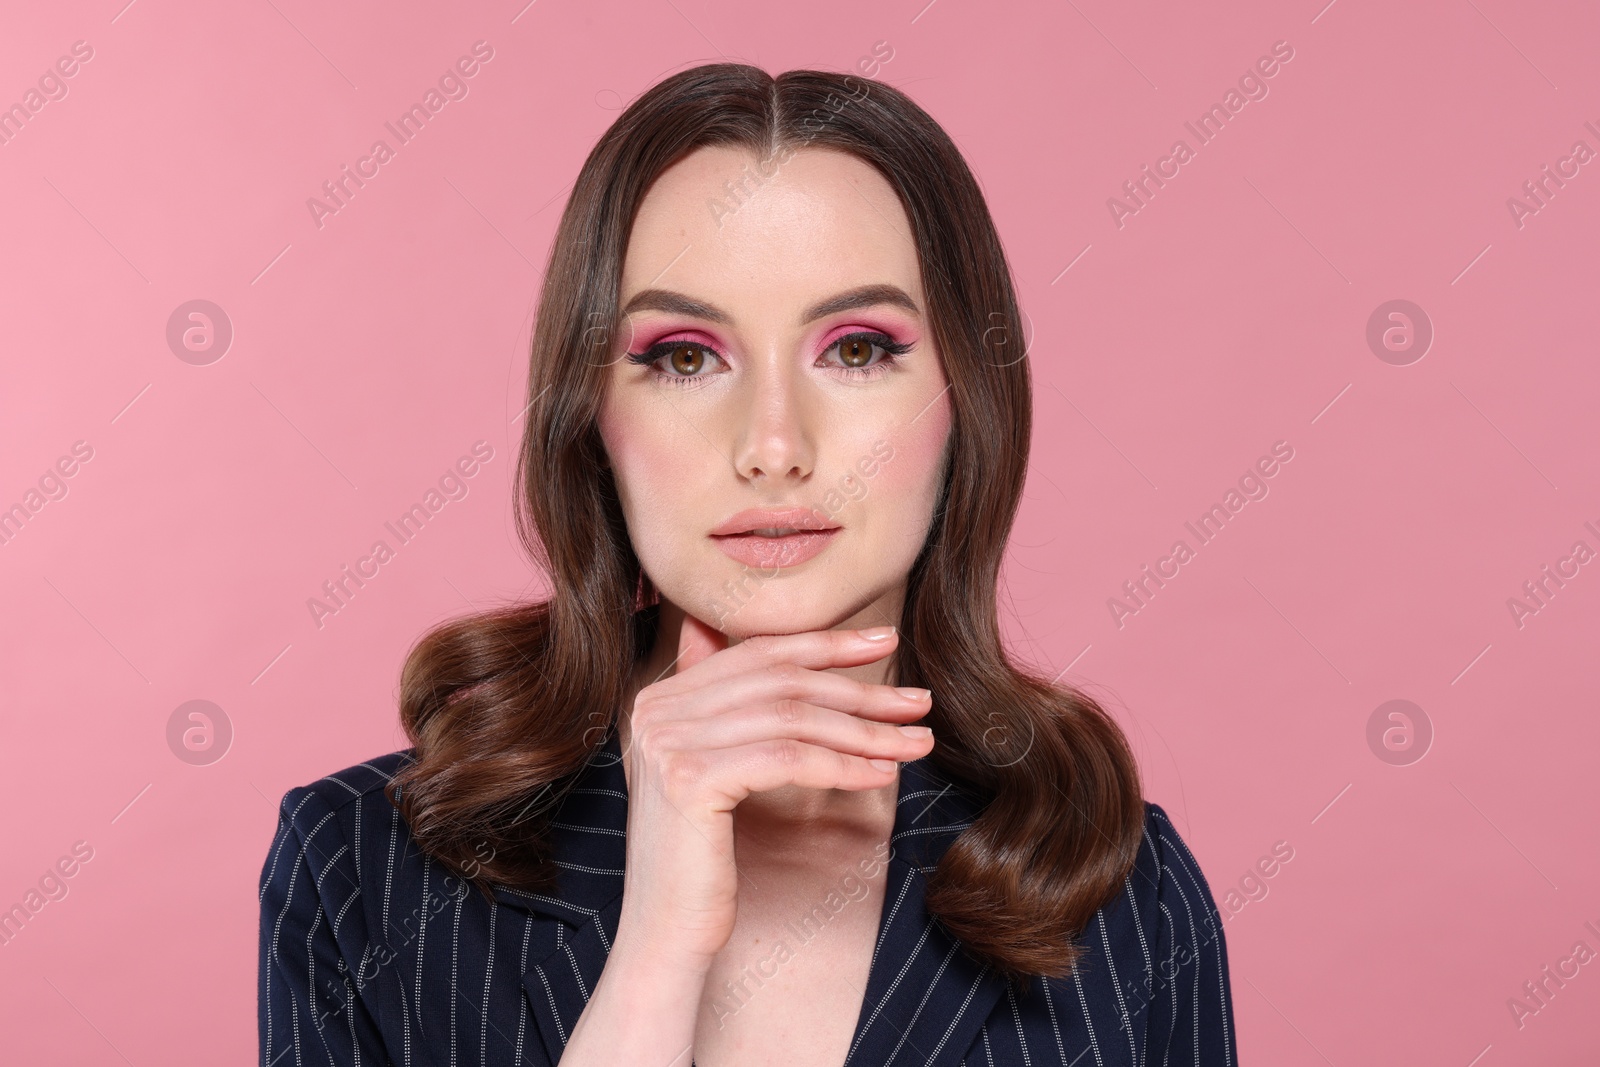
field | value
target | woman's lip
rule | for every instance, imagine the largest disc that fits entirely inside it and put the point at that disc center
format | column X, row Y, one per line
column 768, row 552
column 800, row 518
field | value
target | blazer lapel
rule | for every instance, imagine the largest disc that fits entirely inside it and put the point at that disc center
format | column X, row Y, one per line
column 925, row 997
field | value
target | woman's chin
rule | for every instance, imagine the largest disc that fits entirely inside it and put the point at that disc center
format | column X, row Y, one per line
column 749, row 622
column 792, row 610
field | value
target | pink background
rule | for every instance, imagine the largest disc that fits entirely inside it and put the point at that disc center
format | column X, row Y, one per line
column 1229, row 313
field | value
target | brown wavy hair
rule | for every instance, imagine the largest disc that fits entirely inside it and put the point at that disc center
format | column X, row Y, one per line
column 504, row 707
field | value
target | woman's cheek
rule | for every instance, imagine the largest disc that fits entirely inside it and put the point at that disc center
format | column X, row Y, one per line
column 640, row 471
column 652, row 495
column 903, row 486
column 910, row 456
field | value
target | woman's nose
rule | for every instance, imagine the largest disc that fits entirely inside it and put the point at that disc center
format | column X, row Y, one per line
column 773, row 435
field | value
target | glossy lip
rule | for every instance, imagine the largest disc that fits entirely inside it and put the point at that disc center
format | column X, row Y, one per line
column 766, row 518
column 771, row 553
column 814, row 532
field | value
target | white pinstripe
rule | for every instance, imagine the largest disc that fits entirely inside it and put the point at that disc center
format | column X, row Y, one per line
column 1088, row 1020
column 522, row 1016
column 923, row 1003
column 1022, row 1036
column 962, row 1011
column 1116, row 984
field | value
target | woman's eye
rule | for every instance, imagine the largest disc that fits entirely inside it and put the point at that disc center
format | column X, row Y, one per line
column 674, row 359
column 855, row 350
column 686, row 359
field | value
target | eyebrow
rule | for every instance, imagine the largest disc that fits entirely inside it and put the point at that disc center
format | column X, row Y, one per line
column 850, row 300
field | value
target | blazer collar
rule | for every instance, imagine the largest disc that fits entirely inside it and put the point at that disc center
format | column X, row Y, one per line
column 925, row 996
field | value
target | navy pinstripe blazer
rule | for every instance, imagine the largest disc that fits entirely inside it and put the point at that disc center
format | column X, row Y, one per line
column 372, row 954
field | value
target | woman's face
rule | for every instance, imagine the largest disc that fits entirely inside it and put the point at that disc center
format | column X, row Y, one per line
column 765, row 296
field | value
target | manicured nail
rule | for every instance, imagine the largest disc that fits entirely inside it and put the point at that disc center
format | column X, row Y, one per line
column 916, row 731
column 882, row 764
column 878, row 633
column 913, row 694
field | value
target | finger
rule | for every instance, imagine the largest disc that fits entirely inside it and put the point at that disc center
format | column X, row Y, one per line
column 815, row 649
column 773, row 764
column 800, row 721
column 786, row 681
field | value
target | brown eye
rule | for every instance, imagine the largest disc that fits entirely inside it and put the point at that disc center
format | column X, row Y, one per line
column 855, row 351
column 686, row 359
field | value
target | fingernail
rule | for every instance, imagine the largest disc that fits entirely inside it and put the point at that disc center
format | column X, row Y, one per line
column 913, row 694
column 916, row 731
column 878, row 633
column 882, row 764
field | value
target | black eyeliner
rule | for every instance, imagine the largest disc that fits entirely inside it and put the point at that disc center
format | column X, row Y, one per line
column 881, row 340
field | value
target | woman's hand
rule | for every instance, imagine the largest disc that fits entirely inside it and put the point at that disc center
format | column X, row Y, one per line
column 762, row 714
column 733, row 721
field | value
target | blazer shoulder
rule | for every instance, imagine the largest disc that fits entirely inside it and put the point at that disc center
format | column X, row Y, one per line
column 343, row 787
column 1173, row 869
column 1163, row 856
column 1187, row 996
column 317, row 822
column 1163, row 837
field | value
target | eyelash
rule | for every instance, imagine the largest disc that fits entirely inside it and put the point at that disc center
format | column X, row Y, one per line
column 892, row 350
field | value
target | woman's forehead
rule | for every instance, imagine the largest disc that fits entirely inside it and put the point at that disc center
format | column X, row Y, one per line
column 729, row 228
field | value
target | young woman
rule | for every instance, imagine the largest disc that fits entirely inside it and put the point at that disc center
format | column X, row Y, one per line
column 689, row 809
